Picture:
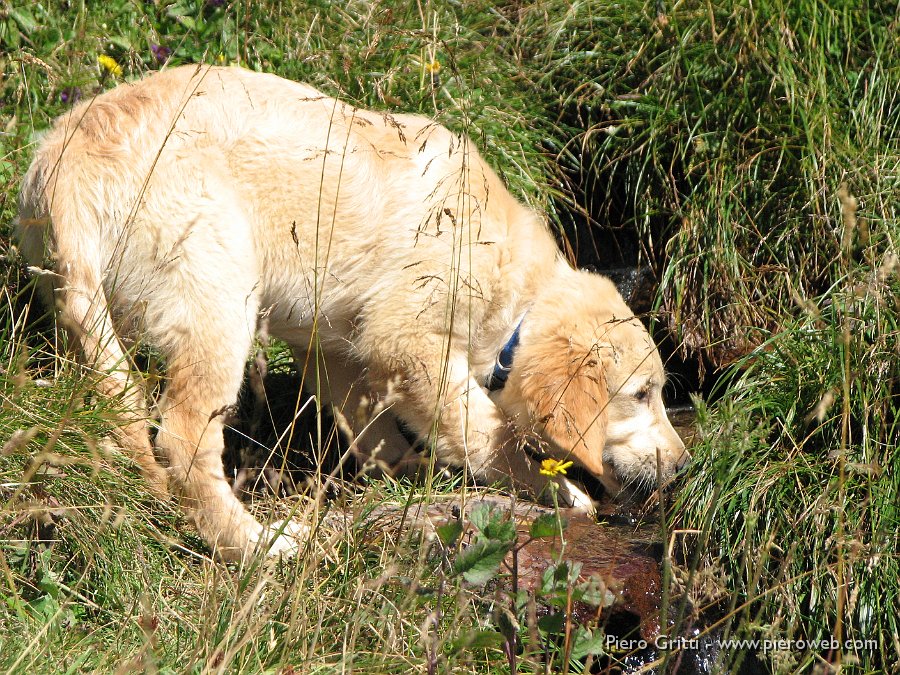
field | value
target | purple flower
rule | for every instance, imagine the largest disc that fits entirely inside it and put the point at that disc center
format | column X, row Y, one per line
column 160, row 53
column 215, row 3
column 70, row 95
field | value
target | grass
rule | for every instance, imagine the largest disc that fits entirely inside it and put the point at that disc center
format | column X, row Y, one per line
column 748, row 153
column 721, row 133
column 797, row 500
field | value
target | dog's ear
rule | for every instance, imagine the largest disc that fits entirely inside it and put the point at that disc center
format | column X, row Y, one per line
column 564, row 390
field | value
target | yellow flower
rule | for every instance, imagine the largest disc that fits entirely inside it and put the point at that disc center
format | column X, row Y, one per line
column 551, row 467
column 434, row 67
column 109, row 65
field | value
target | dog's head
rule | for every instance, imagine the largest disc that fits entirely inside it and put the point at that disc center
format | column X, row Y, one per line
column 588, row 379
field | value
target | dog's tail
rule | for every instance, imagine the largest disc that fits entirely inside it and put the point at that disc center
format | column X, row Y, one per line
column 58, row 213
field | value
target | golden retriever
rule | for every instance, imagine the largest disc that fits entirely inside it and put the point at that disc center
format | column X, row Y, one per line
column 182, row 208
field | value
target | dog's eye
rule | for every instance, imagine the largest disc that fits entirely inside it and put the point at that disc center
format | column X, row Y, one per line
column 642, row 395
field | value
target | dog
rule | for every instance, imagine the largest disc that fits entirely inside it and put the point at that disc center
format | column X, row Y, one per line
column 381, row 247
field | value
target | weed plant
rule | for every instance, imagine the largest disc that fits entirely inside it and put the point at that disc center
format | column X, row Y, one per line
column 754, row 147
column 796, row 497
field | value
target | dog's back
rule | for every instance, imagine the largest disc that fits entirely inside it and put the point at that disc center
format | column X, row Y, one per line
column 323, row 189
column 100, row 158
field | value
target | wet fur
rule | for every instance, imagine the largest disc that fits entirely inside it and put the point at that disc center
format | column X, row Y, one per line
column 182, row 208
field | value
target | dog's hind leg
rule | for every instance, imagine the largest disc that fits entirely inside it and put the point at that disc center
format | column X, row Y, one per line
column 54, row 214
column 86, row 318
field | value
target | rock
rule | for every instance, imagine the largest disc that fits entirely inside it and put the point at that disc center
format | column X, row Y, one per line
column 622, row 558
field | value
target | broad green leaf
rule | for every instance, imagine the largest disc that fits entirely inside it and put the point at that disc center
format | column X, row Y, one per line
column 548, row 525
column 480, row 515
column 501, row 530
column 121, row 41
column 178, row 9
column 552, row 624
column 180, row 13
column 10, row 36
column 593, row 592
column 449, row 532
column 24, row 18
column 492, row 522
column 587, row 642
column 479, row 562
column 507, row 623
column 478, row 639
column 187, row 21
column 555, row 578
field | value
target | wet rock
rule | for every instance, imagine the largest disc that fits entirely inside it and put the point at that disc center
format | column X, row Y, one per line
column 623, row 559
column 636, row 284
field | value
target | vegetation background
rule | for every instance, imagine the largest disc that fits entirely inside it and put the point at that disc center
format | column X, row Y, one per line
column 746, row 154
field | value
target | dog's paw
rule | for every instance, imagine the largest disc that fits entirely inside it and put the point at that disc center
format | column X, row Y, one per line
column 576, row 497
column 283, row 538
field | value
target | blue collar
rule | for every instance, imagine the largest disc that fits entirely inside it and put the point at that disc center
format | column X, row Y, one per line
column 497, row 379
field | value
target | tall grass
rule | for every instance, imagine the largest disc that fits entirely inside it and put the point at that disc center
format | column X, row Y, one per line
column 720, row 132
column 755, row 146
column 796, row 501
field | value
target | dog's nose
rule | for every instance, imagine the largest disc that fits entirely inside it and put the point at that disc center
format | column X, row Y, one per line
column 681, row 464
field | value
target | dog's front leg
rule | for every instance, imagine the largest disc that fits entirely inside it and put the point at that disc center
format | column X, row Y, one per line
column 571, row 494
column 492, row 448
column 442, row 402
column 369, row 424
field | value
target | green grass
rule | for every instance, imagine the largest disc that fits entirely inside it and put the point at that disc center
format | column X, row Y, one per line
column 719, row 135
column 797, row 499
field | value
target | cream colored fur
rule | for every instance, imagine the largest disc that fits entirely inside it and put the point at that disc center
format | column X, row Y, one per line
column 184, row 207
